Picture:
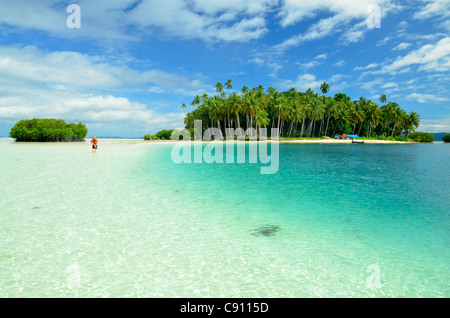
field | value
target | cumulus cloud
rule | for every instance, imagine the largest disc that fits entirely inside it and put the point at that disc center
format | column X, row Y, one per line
column 343, row 12
column 430, row 57
column 426, row 98
column 433, row 8
column 88, row 71
column 130, row 20
column 81, row 87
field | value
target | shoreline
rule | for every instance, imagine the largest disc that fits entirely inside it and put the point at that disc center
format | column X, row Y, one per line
column 295, row 141
column 281, row 141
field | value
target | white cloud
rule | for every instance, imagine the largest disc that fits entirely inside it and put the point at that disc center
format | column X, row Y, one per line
column 369, row 66
column 81, row 87
column 354, row 34
column 389, row 85
column 294, row 11
column 445, row 25
column 430, row 57
column 257, row 60
column 227, row 21
column 384, row 41
column 372, row 85
column 88, row 108
column 317, row 31
column 130, row 20
column 426, row 98
column 88, row 71
column 321, row 57
column 441, row 124
column 402, row 46
column 343, row 12
column 340, row 63
column 433, row 8
column 315, row 62
column 308, row 65
column 302, row 83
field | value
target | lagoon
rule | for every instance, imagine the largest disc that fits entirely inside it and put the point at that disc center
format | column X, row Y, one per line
column 335, row 221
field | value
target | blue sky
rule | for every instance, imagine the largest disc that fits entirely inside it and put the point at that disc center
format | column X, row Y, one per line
column 129, row 67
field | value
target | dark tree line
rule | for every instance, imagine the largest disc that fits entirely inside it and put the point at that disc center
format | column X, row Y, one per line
column 300, row 114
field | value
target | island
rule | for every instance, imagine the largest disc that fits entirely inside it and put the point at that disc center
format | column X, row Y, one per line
column 48, row 130
column 301, row 116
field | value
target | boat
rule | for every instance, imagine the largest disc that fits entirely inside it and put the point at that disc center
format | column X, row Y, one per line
column 357, row 141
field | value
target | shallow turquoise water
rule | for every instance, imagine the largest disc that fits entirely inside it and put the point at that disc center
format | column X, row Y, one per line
column 344, row 221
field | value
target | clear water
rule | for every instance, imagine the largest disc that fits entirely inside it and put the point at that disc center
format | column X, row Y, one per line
column 335, row 221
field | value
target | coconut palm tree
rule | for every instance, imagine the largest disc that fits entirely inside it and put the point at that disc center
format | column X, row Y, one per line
column 196, row 101
column 228, row 85
column 235, row 105
column 219, row 87
column 316, row 112
column 398, row 117
column 358, row 112
column 261, row 119
column 331, row 107
column 383, row 99
column 373, row 116
column 324, row 87
column 251, row 104
column 412, row 122
column 288, row 110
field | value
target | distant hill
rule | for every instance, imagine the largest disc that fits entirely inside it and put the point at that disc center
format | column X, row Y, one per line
column 438, row 136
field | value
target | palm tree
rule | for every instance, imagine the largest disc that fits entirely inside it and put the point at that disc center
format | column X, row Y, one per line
column 383, row 99
column 398, row 119
column 412, row 122
column 251, row 104
column 196, row 101
column 373, row 116
column 277, row 103
column 331, row 107
column 261, row 119
column 316, row 112
column 358, row 112
column 271, row 90
column 219, row 87
column 235, row 106
column 324, row 87
column 228, row 85
column 299, row 113
column 288, row 110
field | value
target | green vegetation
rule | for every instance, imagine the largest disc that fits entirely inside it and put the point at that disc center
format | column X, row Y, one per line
column 164, row 134
column 48, row 130
column 300, row 114
column 446, row 138
column 388, row 138
column 167, row 134
column 421, row 137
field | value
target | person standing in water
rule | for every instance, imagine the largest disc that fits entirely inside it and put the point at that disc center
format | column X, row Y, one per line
column 94, row 143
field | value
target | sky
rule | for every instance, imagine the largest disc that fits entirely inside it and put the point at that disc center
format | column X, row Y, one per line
column 124, row 68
